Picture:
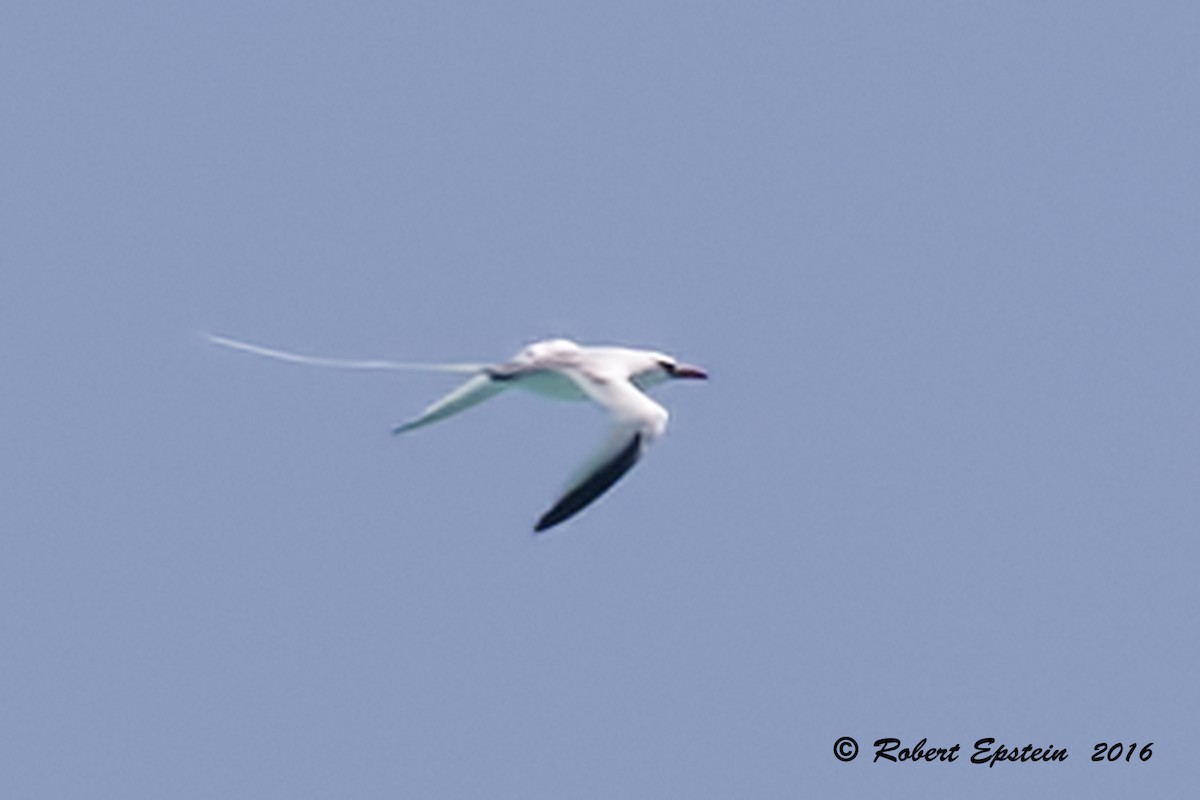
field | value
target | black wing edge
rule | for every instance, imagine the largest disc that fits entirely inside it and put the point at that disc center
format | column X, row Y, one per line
column 600, row 482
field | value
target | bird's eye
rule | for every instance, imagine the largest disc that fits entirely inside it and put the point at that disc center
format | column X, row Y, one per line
column 668, row 367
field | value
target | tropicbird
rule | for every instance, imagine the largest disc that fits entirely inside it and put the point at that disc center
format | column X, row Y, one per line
column 615, row 378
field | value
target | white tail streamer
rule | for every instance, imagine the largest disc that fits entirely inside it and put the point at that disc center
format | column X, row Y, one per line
column 342, row 363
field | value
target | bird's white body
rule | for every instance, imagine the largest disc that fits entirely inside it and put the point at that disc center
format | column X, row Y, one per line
column 552, row 384
column 613, row 377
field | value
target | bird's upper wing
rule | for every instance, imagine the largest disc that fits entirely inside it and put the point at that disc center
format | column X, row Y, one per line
column 471, row 393
column 637, row 421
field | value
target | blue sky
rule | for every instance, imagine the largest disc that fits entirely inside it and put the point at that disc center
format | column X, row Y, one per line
column 940, row 260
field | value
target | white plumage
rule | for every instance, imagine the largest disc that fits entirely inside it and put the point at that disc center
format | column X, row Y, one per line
column 615, row 378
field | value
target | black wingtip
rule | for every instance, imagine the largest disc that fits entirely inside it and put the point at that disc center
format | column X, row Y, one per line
column 549, row 520
column 583, row 495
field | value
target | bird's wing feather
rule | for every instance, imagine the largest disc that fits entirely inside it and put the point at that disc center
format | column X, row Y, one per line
column 620, row 453
column 637, row 421
column 471, row 393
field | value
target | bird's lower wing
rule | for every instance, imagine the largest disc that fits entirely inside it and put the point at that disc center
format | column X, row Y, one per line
column 637, row 421
column 623, row 449
column 471, row 393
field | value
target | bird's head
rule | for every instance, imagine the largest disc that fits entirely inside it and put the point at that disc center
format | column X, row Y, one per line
column 660, row 368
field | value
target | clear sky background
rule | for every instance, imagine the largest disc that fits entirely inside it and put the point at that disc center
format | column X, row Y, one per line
column 940, row 259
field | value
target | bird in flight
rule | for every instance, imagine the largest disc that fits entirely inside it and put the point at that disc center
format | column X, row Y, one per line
column 615, row 378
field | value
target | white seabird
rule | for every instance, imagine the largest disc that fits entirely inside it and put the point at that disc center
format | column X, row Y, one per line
column 615, row 378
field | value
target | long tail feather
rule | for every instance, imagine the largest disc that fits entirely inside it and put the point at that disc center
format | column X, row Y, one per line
column 342, row 363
